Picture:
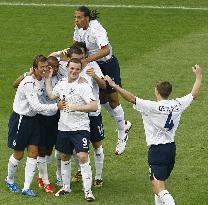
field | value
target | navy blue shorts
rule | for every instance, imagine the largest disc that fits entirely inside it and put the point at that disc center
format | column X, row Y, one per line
column 67, row 141
column 161, row 159
column 112, row 69
column 48, row 130
column 23, row 131
column 96, row 128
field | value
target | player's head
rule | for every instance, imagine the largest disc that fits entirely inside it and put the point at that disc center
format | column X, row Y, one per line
column 163, row 88
column 83, row 15
column 40, row 64
column 75, row 52
column 54, row 64
column 82, row 46
column 74, row 67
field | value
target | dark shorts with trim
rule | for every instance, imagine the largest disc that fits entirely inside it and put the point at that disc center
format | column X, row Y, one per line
column 112, row 69
column 96, row 128
column 67, row 141
column 161, row 159
column 23, row 131
column 48, row 130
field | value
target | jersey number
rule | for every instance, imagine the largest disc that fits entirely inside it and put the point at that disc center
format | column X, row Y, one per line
column 169, row 123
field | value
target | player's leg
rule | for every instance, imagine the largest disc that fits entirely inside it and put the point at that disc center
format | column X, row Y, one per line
column 30, row 170
column 12, row 168
column 81, row 141
column 161, row 159
column 65, row 147
column 96, row 137
column 113, row 105
column 78, row 176
column 59, row 181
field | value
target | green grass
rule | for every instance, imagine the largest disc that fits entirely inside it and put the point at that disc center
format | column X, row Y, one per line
column 150, row 44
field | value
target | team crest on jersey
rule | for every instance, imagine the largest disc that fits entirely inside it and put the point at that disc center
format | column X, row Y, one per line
column 71, row 91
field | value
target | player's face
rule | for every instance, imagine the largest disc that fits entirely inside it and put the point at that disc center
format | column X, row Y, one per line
column 74, row 70
column 79, row 56
column 80, row 20
column 55, row 66
column 41, row 69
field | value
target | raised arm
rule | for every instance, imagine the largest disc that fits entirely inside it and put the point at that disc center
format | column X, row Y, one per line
column 197, row 84
column 124, row 93
column 48, row 84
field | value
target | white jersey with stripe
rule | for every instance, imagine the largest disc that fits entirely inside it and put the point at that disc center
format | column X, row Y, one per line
column 95, row 37
column 27, row 98
column 75, row 93
column 161, row 119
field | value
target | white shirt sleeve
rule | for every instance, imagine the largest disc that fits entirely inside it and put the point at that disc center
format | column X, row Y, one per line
column 100, row 35
column 34, row 102
column 185, row 101
column 144, row 106
column 86, row 93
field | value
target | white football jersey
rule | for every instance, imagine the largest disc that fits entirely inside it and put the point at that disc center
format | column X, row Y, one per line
column 93, row 83
column 26, row 101
column 76, row 93
column 95, row 37
column 161, row 118
column 62, row 72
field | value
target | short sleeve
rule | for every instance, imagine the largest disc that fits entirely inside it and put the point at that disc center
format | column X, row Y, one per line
column 100, row 35
column 76, row 36
column 185, row 101
column 144, row 106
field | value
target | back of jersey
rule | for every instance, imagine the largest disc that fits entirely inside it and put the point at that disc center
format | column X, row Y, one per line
column 161, row 119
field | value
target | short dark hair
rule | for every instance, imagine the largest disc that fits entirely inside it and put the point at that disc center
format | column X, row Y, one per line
column 73, row 50
column 37, row 59
column 92, row 14
column 53, row 59
column 80, row 45
column 75, row 60
column 164, row 88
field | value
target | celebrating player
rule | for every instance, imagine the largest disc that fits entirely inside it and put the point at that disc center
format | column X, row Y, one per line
column 161, row 119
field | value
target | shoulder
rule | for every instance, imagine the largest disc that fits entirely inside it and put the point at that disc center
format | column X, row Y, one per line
column 28, row 80
column 96, row 26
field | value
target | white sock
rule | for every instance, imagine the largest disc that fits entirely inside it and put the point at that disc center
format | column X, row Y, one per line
column 48, row 160
column 166, row 198
column 86, row 176
column 98, row 159
column 158, row 201
column 12, row 168
column 58, row 164
column 118, row 115
column 43, row 171
column 66, row 174
column 29, row 172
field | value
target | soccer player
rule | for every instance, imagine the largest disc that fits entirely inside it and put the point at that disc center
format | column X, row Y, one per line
column 92, row 73
column 90, row 31
column 73, row 126
column 161, row 119
column 24, row 127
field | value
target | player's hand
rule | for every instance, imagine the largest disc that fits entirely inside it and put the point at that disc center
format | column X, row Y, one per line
column 70, row 107
column 197, row 70
column 90, row 72
column 110, row 81
column 64, row 51
column 61, row 105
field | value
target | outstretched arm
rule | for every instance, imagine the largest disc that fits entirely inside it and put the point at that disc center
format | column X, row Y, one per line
column 197, row 84
column 124, row 93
